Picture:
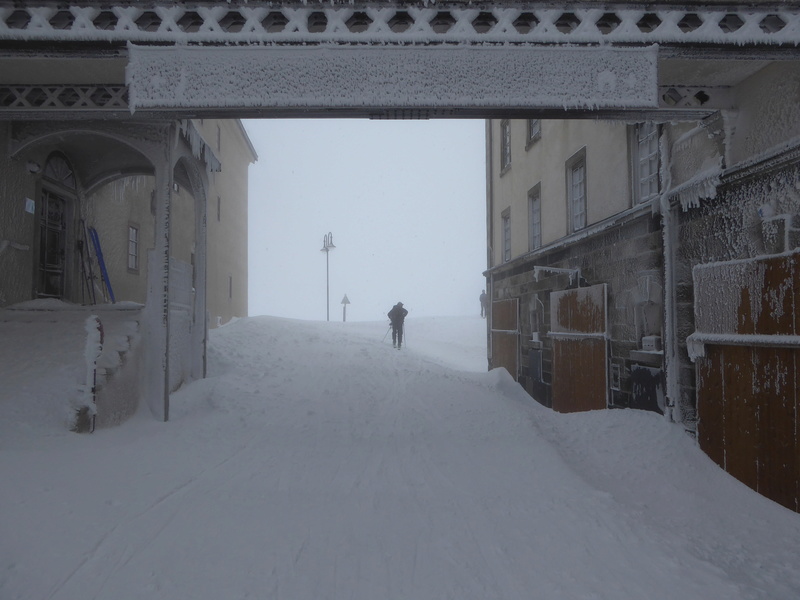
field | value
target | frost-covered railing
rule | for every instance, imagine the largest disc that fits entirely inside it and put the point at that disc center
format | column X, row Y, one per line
column 60, row 97
column 333, row 21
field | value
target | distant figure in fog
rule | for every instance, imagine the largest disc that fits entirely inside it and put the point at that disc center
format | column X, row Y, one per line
column 484, row 304
column 397, row 316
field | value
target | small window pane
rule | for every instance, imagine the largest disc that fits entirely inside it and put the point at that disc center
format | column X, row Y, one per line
column 535, row 211
column 534, row 130
column 506, row 236
column 647, row 167
column 578, row 195
column 133, row 248
column 505, row 145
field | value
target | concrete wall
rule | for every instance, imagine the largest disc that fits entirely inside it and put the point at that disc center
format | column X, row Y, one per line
column 111, row 210
column 227, row 220
column 544, row 162
column 128, row 201
column 125, row 202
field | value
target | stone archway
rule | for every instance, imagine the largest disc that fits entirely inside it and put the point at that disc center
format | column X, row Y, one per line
column 166, row 153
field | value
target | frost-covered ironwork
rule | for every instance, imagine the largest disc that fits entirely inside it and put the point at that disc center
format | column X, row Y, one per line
column 254, row 21
column 60, row 97
column 412, row 77
column 400, row 53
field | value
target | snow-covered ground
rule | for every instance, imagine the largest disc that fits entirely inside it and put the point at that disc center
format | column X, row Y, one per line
column 316, row 462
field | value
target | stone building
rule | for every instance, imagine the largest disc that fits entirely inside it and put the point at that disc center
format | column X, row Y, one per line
column 655, row 266
column 121, row 213
column 573, row 209
column 145, row 217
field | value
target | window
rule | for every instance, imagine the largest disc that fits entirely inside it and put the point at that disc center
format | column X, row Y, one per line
column 219, row 138
column 576, row 191
column 505, row 145
column 506, row 217
column 616, row 377
column 58, row 169
column 133, row 248
column 646, row 162
column 535, row 217
column 534, row 132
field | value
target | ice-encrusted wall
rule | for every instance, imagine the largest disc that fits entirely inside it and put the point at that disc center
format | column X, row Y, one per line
column 730, row 302
column 732, row 226
column 696, row 160
column 768, row 115
column 728, row 228
column 734, row 184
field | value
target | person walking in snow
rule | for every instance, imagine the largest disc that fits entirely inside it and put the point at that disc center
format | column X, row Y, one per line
column 484, row 303
column 397, row 316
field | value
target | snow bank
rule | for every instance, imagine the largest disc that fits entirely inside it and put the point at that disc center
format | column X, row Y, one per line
column 317, row 461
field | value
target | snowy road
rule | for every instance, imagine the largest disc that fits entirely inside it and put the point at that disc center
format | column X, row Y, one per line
column 318, row 463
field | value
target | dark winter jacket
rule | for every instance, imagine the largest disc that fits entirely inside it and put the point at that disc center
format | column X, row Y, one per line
column 397, row 315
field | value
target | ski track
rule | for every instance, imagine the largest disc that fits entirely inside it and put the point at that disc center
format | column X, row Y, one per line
column 362, row 472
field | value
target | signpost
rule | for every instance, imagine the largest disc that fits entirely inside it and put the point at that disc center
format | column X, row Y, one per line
column 345, row 302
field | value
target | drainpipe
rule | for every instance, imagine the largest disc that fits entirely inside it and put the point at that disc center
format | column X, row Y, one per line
column 669, row 234
column 158, row 291
column 489, row 229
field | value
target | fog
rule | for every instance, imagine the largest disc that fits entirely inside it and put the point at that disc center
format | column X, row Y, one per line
column 404, row 202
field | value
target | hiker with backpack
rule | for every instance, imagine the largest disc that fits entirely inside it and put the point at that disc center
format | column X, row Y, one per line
column 397, row 316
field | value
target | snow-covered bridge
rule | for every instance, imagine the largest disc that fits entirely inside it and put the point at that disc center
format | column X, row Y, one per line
column 383, row 59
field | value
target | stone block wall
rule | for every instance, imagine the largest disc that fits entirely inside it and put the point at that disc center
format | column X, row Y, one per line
column 619, row 254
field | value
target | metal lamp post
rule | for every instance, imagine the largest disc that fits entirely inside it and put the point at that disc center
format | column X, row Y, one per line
column 327, row 246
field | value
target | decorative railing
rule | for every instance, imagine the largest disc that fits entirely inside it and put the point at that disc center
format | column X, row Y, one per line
column 253, row 21
column 38, row 97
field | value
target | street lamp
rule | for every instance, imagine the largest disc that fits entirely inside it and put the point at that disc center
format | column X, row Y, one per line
column 327, row 246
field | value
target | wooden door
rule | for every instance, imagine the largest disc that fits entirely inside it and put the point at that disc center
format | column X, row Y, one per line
column 505, row 335
column 578, row 327
column 747, row 352
column 52, row 246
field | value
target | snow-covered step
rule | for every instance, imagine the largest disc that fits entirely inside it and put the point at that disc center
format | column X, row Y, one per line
column 54, row 333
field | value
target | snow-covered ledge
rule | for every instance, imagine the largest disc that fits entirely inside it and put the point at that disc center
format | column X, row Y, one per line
column 696, row 342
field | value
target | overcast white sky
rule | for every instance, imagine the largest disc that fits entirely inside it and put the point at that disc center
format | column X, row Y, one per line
column 404, row 200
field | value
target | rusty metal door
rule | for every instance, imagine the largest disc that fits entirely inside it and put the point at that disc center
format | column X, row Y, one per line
column 578, row 327
column 505, row 335
column 747, row 350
